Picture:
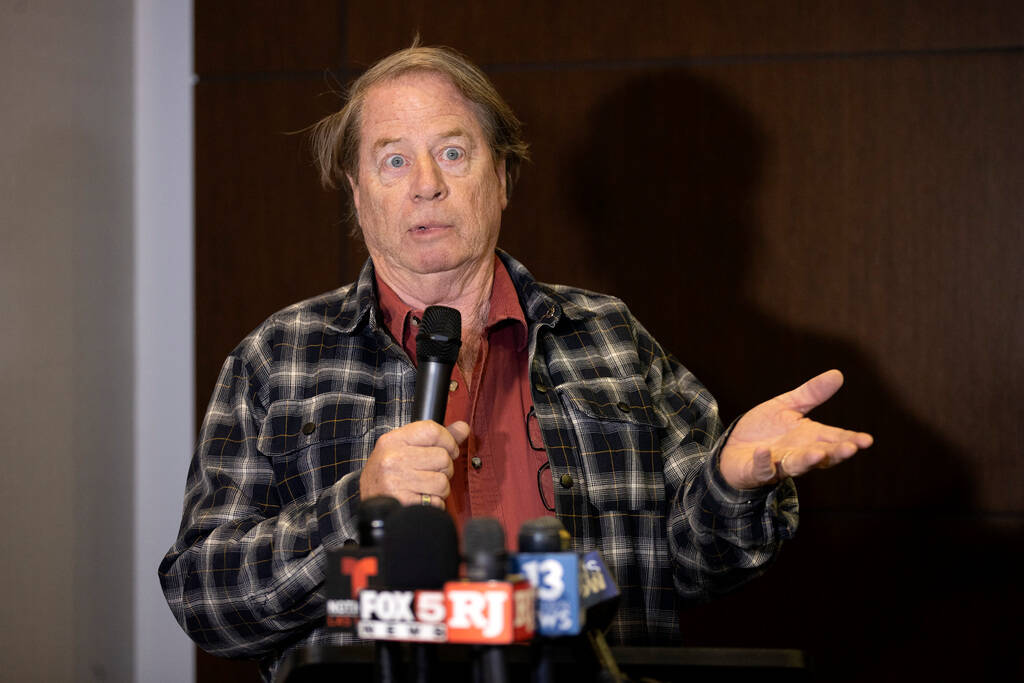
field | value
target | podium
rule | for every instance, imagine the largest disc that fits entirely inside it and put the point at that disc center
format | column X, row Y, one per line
column 354, row 664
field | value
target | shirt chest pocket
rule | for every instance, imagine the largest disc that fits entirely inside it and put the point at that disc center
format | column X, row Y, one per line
column 617, row 433
column 313, row 442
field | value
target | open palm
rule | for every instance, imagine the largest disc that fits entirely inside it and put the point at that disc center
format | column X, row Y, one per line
column 776, row 439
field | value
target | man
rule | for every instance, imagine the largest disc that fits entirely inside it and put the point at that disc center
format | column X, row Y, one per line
column 555, row 388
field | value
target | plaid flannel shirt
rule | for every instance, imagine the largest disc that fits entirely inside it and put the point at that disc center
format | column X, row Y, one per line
column 632, row 438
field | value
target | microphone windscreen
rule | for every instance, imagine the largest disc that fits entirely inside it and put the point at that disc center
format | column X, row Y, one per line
column 483, row 547
column 543, row 535
column 372, row 513
column 420, row 550
column 440, row 335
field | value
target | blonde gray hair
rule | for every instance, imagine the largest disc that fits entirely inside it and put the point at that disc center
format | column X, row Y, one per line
column 335, row 138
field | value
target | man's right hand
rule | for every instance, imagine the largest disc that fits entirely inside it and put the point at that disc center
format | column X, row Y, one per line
column 414, row 461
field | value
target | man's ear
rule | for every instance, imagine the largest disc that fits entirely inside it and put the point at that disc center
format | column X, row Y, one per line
column 355, row 191
column 502, row 171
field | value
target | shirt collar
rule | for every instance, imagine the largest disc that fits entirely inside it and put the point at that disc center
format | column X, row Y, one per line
column 402, row 320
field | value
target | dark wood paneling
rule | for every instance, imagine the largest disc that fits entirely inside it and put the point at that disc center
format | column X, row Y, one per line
column 542, row 32
column 884, row 598
column 267, row 235
column 235, row 37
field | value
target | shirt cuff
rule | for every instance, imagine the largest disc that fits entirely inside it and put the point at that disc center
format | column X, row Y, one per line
column 731, row 501
column 336, row 512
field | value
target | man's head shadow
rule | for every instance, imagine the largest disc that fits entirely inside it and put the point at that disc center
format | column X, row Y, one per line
column 667, row 184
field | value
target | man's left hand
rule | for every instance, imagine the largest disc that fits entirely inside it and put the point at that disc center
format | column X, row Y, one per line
column 776, row 440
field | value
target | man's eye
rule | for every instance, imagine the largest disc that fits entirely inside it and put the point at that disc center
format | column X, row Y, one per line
column 395, row 161
column 452, row 153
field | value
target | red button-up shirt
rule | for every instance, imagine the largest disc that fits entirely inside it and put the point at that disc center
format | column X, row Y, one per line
column 496, row 473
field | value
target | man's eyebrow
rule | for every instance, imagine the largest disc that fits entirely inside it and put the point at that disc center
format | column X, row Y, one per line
column 453, row 133
column 384, row 142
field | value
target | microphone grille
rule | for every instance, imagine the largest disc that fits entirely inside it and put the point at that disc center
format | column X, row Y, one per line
column 440, row 335
column 543, row 535
column 372, row 514
column 421, row 549
column 483, row 546
column 483, row 535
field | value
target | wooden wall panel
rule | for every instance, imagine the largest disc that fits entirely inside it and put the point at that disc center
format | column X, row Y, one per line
column 774, row 191
column 544, row 33
column 268, row 235
column 235, row 37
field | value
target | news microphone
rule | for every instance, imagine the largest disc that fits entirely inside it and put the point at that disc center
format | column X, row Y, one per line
column 576, row 594
column 354, row 567
column 488, row 608
column 420, row 554
column 599, row 597
column 371, row 516
column 544, row 557
column 539, row 537
column 437, row 350
column 483, row 548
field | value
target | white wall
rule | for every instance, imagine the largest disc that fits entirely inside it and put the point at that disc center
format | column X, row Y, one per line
column 164, row 365
column 95, row 263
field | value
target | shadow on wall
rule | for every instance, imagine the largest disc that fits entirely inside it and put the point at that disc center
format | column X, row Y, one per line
column 890, row 571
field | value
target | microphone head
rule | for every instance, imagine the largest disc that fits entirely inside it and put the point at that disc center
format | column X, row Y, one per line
column 440, row 335
column 599, row 593
column 483, row 548
column 544, row 535
column 371, row 515
column 420, row 549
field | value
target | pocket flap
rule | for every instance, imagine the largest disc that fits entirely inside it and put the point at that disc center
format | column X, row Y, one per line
column 618, row 399
column 292, row 425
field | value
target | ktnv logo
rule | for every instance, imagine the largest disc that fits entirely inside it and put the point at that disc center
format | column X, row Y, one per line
column 567, row 585
column 556, row 576
column 464, row 612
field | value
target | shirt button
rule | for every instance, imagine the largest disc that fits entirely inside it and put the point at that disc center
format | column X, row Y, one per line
column 453, row 385
column 308, row 428
column 566, row 481
column 476, row 462
column 623, row 406
column 415, row 321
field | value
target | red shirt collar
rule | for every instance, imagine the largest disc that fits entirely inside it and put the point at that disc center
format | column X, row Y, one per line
column 402, row 320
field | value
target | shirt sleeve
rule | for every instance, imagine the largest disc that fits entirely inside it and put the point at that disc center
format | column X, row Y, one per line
column 719, row 537
column 246, row 574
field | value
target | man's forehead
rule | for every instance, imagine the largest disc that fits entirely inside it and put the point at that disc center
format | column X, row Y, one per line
column 417, row 100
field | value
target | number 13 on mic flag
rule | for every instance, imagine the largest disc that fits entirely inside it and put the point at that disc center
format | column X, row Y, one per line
column 556, row 578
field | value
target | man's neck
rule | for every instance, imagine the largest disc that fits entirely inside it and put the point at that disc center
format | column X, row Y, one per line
column 466, row 290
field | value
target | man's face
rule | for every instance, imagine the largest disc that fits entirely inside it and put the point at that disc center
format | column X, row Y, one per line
column 429, row 193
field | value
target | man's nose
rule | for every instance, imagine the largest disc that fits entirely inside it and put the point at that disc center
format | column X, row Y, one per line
column 428, row 181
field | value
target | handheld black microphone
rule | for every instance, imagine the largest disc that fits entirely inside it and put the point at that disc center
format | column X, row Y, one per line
column 483, row 548
column 437, row 349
